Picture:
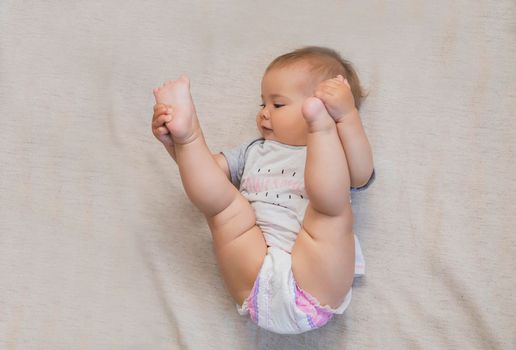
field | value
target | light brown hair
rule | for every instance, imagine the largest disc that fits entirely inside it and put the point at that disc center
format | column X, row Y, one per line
column 324, row 63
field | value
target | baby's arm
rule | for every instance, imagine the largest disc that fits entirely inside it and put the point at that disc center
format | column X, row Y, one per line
column 356, row 146
column 161, row 116
column 338, row 99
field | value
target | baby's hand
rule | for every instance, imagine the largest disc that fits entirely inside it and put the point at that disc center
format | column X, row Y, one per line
column 162, row 115
column 337, row 97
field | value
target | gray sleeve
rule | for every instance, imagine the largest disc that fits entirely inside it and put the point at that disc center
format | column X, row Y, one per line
column 366, row 186
column 236, row 158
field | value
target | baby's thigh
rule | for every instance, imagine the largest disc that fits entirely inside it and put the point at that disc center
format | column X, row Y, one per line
column 239, row 246
column 323, row 256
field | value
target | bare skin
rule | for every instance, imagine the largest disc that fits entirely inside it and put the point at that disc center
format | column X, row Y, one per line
column 323, row 254
column 335, row 93
column 239, row 244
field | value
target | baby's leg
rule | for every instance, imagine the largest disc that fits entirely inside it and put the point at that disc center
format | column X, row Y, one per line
column 323, row 256
column 239, row 243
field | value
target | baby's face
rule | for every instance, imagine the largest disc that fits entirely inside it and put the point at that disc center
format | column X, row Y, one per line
column 283, row 92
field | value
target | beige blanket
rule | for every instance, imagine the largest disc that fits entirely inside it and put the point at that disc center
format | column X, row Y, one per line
column 101, row 249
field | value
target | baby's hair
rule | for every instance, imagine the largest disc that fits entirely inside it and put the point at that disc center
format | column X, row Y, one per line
column 325, row 63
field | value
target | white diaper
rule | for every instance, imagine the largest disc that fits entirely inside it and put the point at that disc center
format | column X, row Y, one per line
column 277, row 304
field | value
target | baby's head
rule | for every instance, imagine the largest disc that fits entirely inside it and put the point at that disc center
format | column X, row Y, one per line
column 288, row 81
column 321, row 63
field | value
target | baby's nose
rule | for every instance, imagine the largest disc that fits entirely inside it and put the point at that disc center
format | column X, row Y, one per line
column 265, row 113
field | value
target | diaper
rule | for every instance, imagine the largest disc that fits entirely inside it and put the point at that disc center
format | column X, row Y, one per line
column 278, row 304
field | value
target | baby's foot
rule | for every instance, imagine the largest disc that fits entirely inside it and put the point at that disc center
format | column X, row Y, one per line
column 316, row 115
column 176, row 93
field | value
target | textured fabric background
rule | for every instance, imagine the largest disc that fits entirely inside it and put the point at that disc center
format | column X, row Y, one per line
column 101, row 249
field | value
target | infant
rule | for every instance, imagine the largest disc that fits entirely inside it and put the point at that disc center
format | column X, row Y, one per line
column 279, row 207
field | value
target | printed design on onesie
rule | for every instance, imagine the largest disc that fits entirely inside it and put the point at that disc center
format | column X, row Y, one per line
column 281, row 187
column 273, row 182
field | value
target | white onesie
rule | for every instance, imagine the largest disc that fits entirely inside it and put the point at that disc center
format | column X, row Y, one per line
column 270, row 175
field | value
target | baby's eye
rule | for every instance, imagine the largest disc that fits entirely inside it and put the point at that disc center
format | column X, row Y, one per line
column 262, row 105
column 278, row 105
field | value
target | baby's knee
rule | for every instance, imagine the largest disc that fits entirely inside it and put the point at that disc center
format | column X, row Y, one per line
column 235, row 219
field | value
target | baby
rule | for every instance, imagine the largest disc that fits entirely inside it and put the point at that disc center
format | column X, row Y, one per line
column 279, row 207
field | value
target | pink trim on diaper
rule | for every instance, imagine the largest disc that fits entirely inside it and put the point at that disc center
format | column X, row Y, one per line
column 316, row 315
column 252, row 301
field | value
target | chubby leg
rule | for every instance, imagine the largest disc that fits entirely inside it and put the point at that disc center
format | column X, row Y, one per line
column 239, row 243
column 323, row 256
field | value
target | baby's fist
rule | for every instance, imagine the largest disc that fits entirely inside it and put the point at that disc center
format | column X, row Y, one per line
column 337, row 97
column 160, row 118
